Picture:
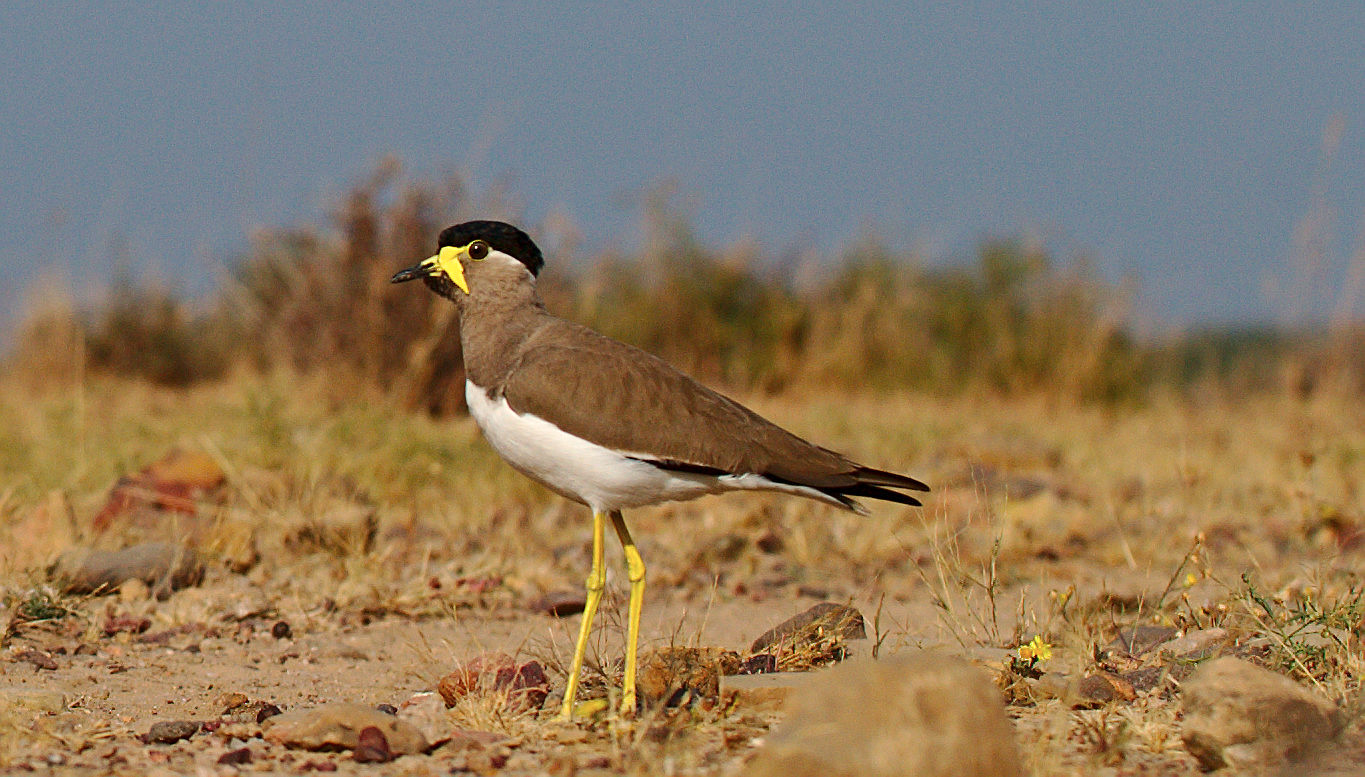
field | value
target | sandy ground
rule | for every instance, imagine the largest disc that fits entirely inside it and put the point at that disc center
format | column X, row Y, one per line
column 397, row 548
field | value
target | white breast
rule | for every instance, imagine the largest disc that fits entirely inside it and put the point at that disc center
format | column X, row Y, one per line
column 599, row 477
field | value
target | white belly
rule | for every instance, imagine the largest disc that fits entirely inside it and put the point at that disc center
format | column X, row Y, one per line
column 585, row 472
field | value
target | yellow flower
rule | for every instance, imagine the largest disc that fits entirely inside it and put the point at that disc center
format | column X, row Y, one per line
column 1190, row 579
column 1037, row 650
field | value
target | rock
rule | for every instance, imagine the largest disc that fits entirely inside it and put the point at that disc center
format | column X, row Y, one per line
column 525, row 683
column 338, row 726
column 675, row 675
column 1239, row 715
column 560, row 604
column 236, row 757
column 175, row 484
column 167, row 732
column 39, row 658
column 32, row 700
column 163, row 566
column 237, row 708
column 815, row 637
column 427, row 713
column 1103, row 687
column 1136, row 641
column 132, row 624
column 925, row 715
column 229, row 701
column 373, row 747
column 1196, row 645
column 1146, row 679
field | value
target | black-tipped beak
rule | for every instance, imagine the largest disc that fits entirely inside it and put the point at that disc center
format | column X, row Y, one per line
column 412, row 273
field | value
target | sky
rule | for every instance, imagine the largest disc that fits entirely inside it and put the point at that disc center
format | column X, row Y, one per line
column 1179, row 145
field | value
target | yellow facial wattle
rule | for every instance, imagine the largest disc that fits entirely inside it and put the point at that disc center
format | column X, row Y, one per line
column 448, row 262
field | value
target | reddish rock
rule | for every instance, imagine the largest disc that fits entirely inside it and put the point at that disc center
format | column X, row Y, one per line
column 177, row 483
column 560, row 604
column 524, row 683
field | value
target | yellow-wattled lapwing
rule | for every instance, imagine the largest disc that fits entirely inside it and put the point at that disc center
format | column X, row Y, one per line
column 606, row 424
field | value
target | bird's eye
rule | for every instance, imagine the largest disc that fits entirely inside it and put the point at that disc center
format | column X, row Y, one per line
column 478, row 250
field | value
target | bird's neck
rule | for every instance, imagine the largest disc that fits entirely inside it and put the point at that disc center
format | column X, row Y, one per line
column 492, row 331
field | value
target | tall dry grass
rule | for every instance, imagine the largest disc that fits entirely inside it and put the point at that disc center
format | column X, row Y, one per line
column 1011, row 319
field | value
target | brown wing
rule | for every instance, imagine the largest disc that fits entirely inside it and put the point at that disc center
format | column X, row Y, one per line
column 628, row 400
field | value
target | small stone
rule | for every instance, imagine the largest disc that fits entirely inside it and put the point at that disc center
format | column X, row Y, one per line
column 815, row 637
column 230, row 701
column 236, row 757
column 925, row 715
column 1103, row 687
column 525, row 683
column 372, row 747
column 1196, row 645
column 427, row 712
column 281, row 630
column 1239, row 715
column 167, row 732
column 131, row 624
column 163, row 566
column 175, row 484
column 265, row 711
column 338, row 726
column 1146, row 679
column 38, row 658
column 1136, row 641
column 560, row 604
column 387, row 709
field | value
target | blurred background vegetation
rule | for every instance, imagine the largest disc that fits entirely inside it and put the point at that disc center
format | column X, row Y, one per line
column 1012, row 320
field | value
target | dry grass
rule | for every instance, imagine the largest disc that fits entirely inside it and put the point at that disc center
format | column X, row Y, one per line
column 1011, row 318
column 1048, row 519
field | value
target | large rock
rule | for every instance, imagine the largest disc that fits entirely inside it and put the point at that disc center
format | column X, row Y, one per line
column 925, row 715
column 1240, row 715
column 338, row 727
column 163, row 566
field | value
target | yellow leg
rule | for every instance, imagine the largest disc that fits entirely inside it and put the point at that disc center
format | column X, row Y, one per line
column 597, row 580
column 635, row 567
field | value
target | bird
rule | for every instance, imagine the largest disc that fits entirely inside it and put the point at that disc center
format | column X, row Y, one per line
column 609, row 425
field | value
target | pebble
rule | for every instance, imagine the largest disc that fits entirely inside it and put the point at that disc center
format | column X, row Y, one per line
column 1136, row 641
column 427, row 712
column 162, row 565
column 923, row 715
column 560, row 604
column 334, row 726
column 236, row 757
column 810, row 627
column 525, row 683
column 1196, row 645
column 169, row 731
column 1238, row 715
column 372, row 747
